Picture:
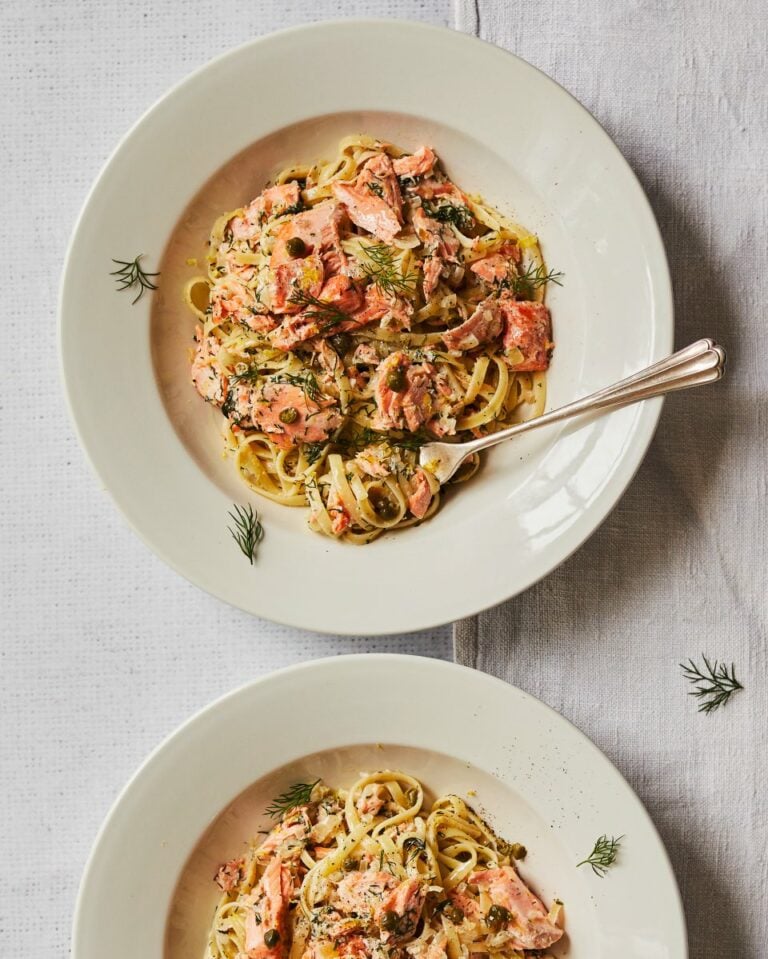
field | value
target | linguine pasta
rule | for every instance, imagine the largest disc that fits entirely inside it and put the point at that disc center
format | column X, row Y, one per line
column 373, row 873
column 354, row 310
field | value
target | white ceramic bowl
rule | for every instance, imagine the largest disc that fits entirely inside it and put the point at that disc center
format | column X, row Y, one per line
column 504, row 130
column 201, row 795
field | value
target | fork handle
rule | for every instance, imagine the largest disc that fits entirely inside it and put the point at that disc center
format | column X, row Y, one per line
column 701, row 362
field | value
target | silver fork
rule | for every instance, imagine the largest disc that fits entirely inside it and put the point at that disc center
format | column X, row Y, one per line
column 701, row 362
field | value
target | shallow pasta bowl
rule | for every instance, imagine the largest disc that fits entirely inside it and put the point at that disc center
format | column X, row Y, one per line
column 148, row 890
column 516, row 138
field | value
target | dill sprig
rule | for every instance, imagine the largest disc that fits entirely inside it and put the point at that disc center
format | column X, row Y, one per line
column 248, row 531
column 603, row 855
column 299, row 794
column 413, row 846
column 250, row 375
column 299, row 207
column 459, row 215
column 366, row 437
column 385, row 271
column 714, row 684
column 313, row 451
column 358, row 440
column 326, row 314
column 534, row 277
column 413, row 441
column 130, row 274
column 305, row 380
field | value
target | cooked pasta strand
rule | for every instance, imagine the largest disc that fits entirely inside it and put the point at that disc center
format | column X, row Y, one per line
column 355, row 309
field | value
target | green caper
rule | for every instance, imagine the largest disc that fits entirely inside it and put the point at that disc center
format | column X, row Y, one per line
column 518, row 851
column 390, row 921
column 473, row 228
column 296, row 247
column 396, row 379
column 454, row 913
column 271, row 938
column 351, row 865
column 289, row 415
column 382, row 506
column 497, row 917
column 341, row 342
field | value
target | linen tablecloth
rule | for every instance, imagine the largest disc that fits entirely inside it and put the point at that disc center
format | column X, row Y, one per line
column 679, row 567
column 103, row 650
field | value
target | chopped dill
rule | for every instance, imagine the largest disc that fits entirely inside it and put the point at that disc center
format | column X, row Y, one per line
column 228, row 407
column 326, row 314
column 459, row 215
column 251, row 374
column 376, row 188
column 413, row 441
column 367, row 437
column 313, row 451
column 305, row 380
column 413, row 846
column 299, row 207
column 359, row 440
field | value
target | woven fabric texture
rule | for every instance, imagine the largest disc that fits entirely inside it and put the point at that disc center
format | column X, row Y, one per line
column 679, row 567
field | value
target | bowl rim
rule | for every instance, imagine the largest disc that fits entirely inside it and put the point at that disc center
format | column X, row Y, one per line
column 394, row 661
column 643, row 431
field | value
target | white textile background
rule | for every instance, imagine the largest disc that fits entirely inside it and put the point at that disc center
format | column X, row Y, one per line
column 103, row 650
column 679, row 567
